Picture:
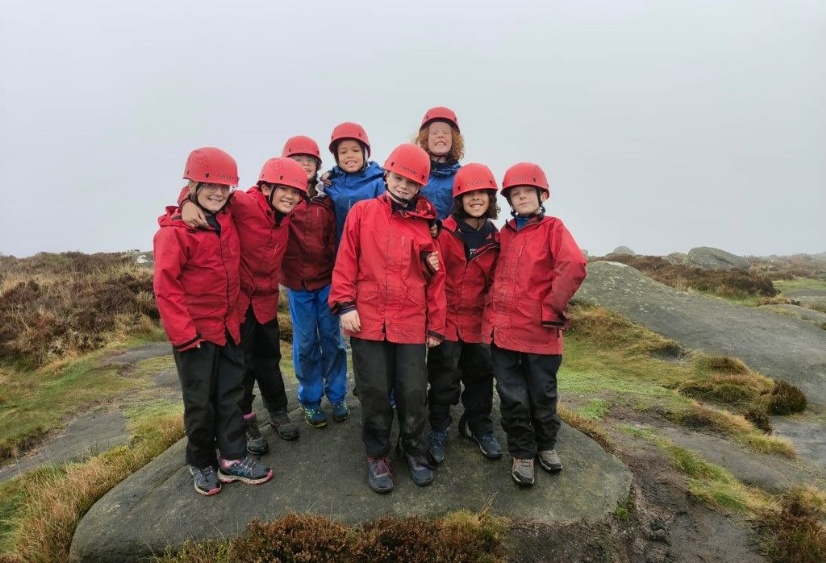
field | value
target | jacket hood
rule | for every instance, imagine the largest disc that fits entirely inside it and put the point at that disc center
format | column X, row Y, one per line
column 422, row 207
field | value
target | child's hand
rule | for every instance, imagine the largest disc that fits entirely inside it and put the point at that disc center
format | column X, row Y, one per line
column 325, row 179
column 433, row 261
column 193, row 216
column 432, row 342
column 351, row 322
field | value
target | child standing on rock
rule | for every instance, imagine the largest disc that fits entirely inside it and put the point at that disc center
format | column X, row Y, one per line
column 540, row 267
column 319, row 355
column 392, row 304
column 197, row 286
column 261, row 216
column 469, row 247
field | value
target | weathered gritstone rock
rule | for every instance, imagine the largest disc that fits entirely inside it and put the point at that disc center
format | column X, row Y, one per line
column 324, row 473
column 624, row 251
column 716, row 259
column 778, row 346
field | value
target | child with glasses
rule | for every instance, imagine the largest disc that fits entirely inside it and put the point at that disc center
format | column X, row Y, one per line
column 197, row 288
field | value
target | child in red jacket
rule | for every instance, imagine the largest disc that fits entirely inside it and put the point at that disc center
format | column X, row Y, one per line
column 261, row 216
column 469, row 247
column 540, row 267
column 196, row 288
column 392, row 304
column 319, row 356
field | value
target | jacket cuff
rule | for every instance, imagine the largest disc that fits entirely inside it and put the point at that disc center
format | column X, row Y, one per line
column 436, row 335
column 346, row 307
column 189, row 344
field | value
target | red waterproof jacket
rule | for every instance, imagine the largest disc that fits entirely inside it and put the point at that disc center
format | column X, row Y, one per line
column 467, row 282
column 308, row 261
column 540, row 268
column 380, row 270
column 263, row 243
column 196, row 280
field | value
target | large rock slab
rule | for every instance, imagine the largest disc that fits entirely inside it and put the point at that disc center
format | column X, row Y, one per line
column 716, row 259
column 324, row 473
column 779, row 346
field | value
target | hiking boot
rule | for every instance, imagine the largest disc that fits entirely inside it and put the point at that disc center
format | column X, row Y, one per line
column 549, row 461
column 379, row 474
column 420, row 469
column 315, row 417
column 487, row 441
column 256, row 443
column 340, row 411
column 246, row 470
column 522, row 471
column 286, row 428
column 438, row 443
column 206, row 480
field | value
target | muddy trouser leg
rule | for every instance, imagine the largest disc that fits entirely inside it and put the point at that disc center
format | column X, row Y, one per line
column 374, row 368
column 477, row 377
column 262, row 355
column 306, row 351
column 411, row 393
column 444, row 378
column 542, row 370
column 333, row 352
column 512, row 385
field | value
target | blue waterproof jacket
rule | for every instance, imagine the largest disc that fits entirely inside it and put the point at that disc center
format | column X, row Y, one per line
column 439, row 188
column 348, row 189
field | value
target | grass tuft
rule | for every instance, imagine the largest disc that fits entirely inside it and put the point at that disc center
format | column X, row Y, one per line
column 786, row 399
column 795, row 533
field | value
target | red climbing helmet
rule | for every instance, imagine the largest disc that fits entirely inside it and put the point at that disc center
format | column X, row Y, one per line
column 440, row 114
column 349, row 130
column 212, row 166
column 284, row 172
column 410, row 161
column 471, row 177
column 525, row 174
column 301, row 145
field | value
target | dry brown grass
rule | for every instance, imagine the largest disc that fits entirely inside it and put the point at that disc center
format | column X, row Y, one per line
column 795, row 533
column 57, row 306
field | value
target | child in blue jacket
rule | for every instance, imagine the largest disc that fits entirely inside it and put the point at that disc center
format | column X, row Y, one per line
column 354, row 178
column 440, row 137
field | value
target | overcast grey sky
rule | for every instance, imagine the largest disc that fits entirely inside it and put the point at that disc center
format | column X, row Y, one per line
column 662, row 125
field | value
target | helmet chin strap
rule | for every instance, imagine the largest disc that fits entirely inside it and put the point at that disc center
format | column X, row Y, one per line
column 398, row 199
column 198, row 187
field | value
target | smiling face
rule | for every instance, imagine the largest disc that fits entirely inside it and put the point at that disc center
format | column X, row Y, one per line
column 211, row 197
column 439, row 138
column 476, row 203
column 349, row 156
column 284, row 198
column 524, row 199
column 404, row 189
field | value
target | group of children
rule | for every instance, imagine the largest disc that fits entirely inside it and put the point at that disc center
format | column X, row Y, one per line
column 406, row 260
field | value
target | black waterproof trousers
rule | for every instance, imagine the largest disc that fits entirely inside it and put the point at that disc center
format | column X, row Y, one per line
column 450, row 366
column 379, row 367
column 262, row 355
column 526, row 384
column 212, row 385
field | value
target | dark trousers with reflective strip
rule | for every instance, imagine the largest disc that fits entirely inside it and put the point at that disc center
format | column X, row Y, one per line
column 262, row 355
column 212, row 380
column 450, row 366
column 379, row 367
column 526, row 384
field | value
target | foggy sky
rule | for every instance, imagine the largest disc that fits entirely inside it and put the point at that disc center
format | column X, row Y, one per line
column 662, row 126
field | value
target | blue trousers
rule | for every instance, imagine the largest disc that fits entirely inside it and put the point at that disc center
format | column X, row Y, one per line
column 319, row 356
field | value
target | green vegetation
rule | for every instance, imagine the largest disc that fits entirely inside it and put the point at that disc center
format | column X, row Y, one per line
column 64, row 315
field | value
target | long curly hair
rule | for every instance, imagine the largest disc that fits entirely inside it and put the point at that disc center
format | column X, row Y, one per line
column 457, row 146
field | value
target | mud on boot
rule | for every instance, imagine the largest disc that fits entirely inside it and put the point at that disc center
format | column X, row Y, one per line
column 549, row 461
column 315, row 417
column 522, row 471
column 420, row 469
column 286, row 428
column 341, row 411
column 488, row 444
column 256, row 443
column 438, row 444
column 379, row 474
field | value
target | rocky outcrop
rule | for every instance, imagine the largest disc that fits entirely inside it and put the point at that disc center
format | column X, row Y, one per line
column 716, row 259
column 623, row 251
